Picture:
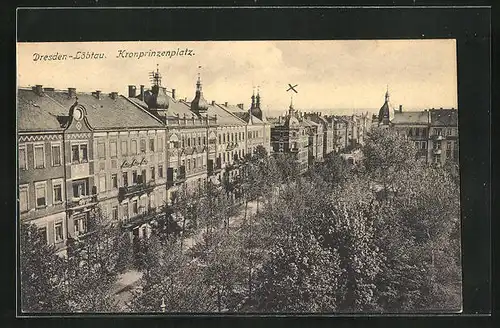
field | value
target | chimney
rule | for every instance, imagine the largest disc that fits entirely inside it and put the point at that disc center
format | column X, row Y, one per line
column 142, row 92
column 71, row 92
column 173, row 94
column 213, row 102
column 38, row 89
column 113, row 95
column 131, row 91
column 400, row 108
column 52, row 89
column 225, row 104
column 97, row 94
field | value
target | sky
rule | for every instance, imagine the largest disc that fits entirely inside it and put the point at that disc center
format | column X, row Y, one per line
column 332, row 76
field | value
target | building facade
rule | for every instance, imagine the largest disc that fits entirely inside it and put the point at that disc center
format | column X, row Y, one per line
column 434, row 131
column 129, row 156
column 291, row 135
column 41, row 165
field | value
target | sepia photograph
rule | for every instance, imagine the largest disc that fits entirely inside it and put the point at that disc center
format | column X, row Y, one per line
column 245, row 177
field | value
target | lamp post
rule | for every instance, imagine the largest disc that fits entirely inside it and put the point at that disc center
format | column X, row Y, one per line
column 163, row 306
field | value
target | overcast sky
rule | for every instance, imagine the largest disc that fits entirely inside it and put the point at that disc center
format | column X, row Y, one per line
column 330, row 74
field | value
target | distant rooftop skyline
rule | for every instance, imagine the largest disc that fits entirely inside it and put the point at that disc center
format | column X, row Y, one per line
column 340, row 77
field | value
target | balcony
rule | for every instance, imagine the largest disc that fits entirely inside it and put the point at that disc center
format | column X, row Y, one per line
column 146, row 216
column 436, row 151
column 437, row 137
column 80, row 170
column 128, row 191
column 82, row 201
column 231, row 146
column 176, row 176
column 214, row 167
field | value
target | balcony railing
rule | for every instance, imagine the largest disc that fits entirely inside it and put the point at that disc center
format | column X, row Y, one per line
column 436, row 151
column 177, row 177
column 437, row 137
column 214, row 166
column 82, row 201
column 231, row 146
column 141, row 218
column 127, row 191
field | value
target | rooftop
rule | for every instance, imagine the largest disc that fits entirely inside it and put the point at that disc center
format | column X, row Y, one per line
column 104, row 111
column 413, row 117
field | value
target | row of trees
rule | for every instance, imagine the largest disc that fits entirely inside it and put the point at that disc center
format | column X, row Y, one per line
column 382, row 235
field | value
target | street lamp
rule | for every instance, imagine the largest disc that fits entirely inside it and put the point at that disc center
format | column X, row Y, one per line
column 163, row 306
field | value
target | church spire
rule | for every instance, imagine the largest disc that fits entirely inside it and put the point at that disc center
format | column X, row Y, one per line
column 253, row 99
column 199, row 103
column 198, row 82
column 257, row 102
column 290, row 108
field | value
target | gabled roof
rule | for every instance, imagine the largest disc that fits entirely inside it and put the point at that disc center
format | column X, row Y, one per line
column 411, row 117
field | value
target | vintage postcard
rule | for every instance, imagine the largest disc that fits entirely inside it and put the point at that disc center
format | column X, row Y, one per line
column 239, row 177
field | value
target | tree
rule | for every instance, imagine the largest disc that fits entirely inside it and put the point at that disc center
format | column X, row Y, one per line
column 286, row 166
column 349, row 226
column 332, row 170
column 417, row 227
column 425, row 217
column 172, row 277
column 260, row 153
column 388, row 155
column 42, row 273
column 93, row 264
column 223, row 270
column 300, row 276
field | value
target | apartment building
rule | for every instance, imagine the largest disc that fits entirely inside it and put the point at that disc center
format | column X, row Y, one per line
column 434, row 132
column 41, row 165
column 327, row 128
column 290, row 135
column 415, row 126
column 443, row 136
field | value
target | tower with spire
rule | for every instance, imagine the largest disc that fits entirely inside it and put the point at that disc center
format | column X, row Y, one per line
column 384, row 114
column 199, row 104
column 156, row 98
column 255, row 109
